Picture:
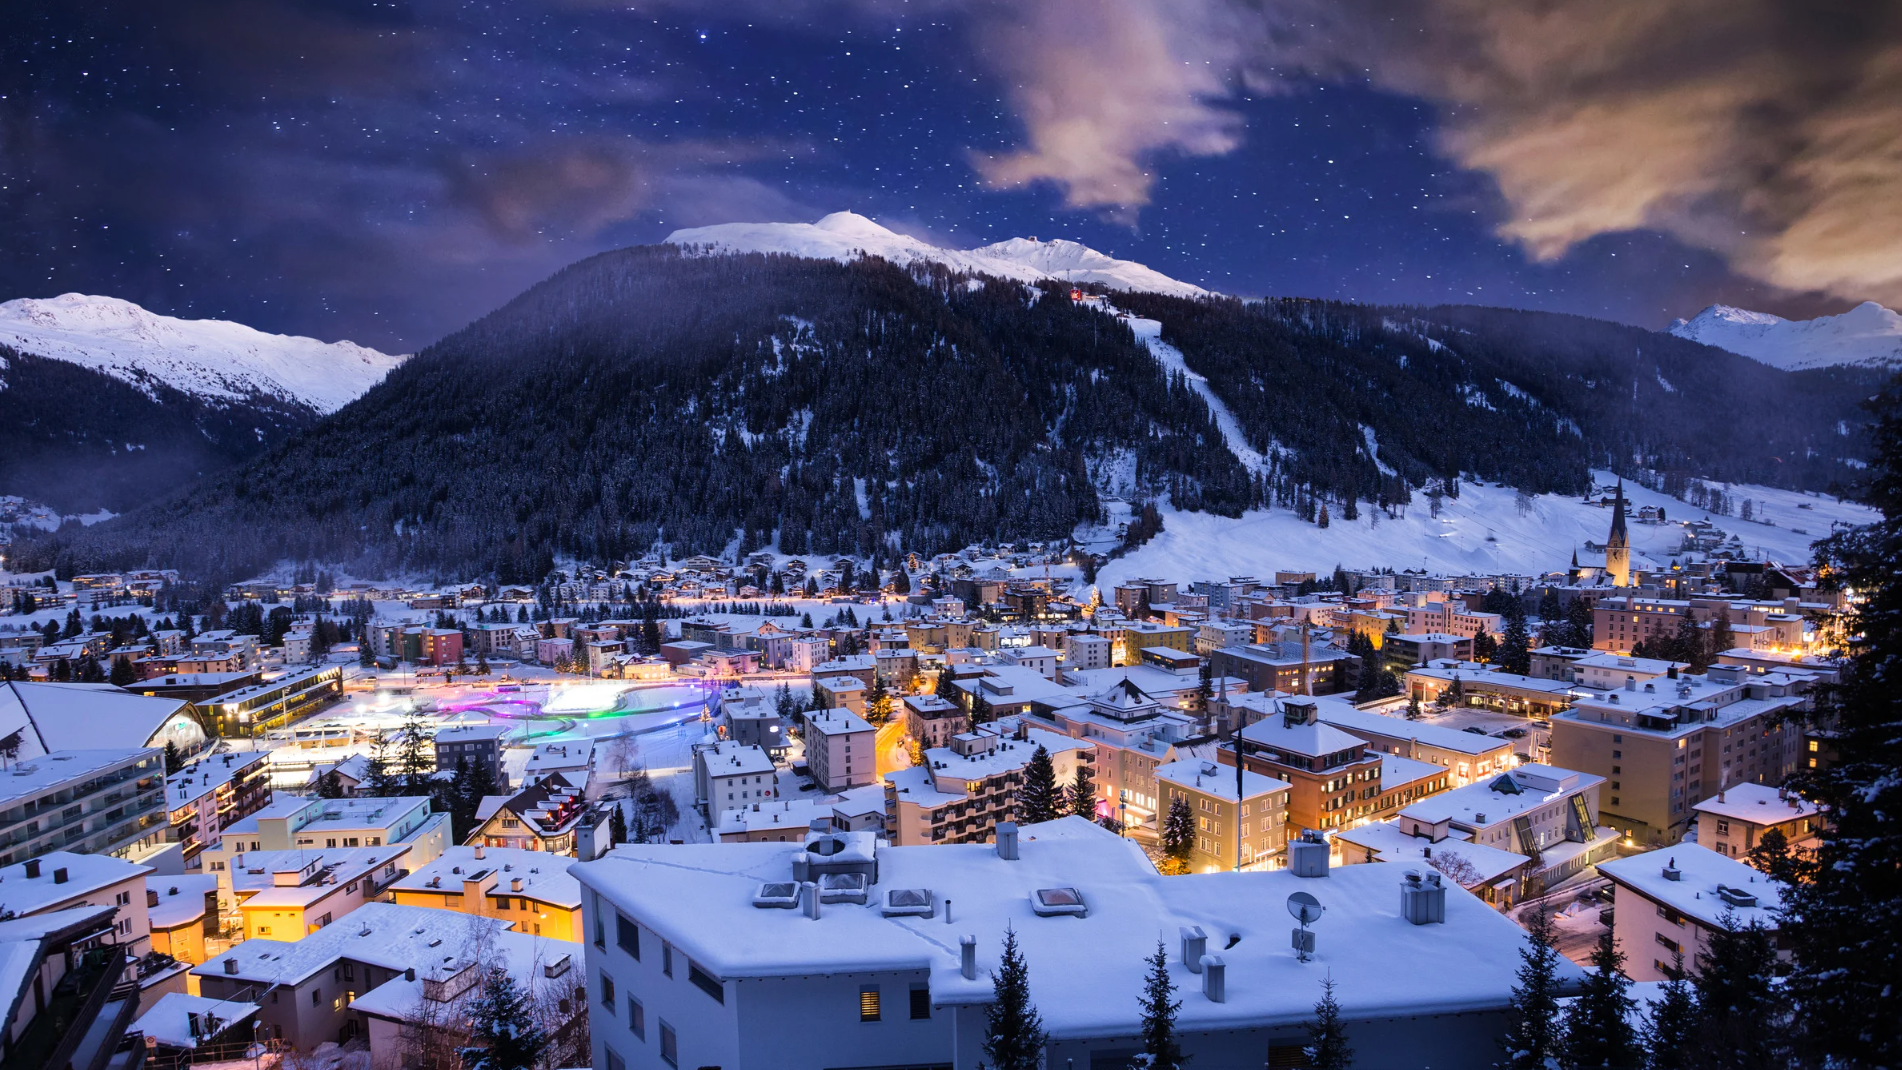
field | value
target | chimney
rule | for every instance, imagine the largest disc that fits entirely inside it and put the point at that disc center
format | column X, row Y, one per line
column 1422, row 899
column 1007, row 840
column 1307, row 856
column 1671, row 872
column 59, row 875
column 1195, row 943
column 409, row 974
column 32, row 868
column 967, row 957
column 809, row 899
column 947, row 911
column 478, row 852
column 801, row 866
column 231, row 965
column 515, row 885
column 1214, row 978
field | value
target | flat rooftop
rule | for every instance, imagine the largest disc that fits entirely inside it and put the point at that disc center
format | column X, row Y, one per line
column 1694, row 893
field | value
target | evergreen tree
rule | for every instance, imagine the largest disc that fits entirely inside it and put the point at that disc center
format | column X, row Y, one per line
column 1721, row 637
column 1598, row 1033
column 502, row 1030
column 1843, row 922
column 1485, row 648
column 1578, row 623
column 1773, row 856
column 817, row 700
column 122, row 674
column 878, row 700
column 377, row 780
column 946, row 688
column 1039, row 798
column 1327, row 1035
column 981, row 709
column 1515, row 648
column 1178, row 834
column 1161, row 1049
column 1014, row 1035
column 1687, row 644
column 174, row 758
column 1670, row 1029
column 1532, row 1040
column 1082, row 793
column 617, row 823
column 1740, row 1004
column 330, row 786
column 1413, row 706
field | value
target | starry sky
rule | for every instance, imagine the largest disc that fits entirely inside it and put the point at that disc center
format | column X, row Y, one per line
column 388, row 171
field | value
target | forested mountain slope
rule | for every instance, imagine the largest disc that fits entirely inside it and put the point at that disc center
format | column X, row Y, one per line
column 714, row 401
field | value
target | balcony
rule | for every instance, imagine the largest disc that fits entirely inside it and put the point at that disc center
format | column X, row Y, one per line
column 88, row 1007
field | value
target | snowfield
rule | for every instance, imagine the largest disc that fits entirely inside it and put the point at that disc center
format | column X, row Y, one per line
column 845, row 236
column 1484, row 532
column 1867, row 334
column 214, row 359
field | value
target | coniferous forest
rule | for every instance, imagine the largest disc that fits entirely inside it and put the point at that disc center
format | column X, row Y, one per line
column 646, row 396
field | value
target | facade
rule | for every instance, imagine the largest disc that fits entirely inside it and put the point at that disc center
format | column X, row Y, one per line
column 544, row 816
column 1548, row 815
column 1734, row 821
column 691, row 965
column 840, row 749
column 476, row 745
column 1466, row 756
column 105, row 802
column 182, row 909
column 727, row 774
column 328, row 824
column 1324, row 670
column 1337, row 780
column 1666, row 903
column 932, row 721
column 210, row 793
column 525, row 888
column 1256, row 810
column 753, row 718
column 1400, row 653
column 1663, row 748
column 275, row 703
column 287, row 895
column 961, row 792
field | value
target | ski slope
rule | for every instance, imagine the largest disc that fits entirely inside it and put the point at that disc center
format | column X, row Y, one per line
column 214, row 359
column 1483, row 531
column 845, row 236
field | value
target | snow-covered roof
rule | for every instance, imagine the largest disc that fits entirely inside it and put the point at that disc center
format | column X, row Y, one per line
column 1343, row 715
column 1217, row 780
column 472, row 733
column 544, row 877
column 326, row 816
column 837, row 721
column 390, row 935
column 1694, row 893
column 181, row 898
column 1385, row 839
column 727, row 758
column 1488, row 802
column 84, row 874
column 1309, row 740
column 208, row 774
column 531, row 960
column 169, row 1021
column 700, row 899
column 1759, row 804
column 1395, row 771
column 329, row 870
column 60, row 717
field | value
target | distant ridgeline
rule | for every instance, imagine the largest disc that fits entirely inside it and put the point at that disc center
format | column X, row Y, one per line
column 859, row 408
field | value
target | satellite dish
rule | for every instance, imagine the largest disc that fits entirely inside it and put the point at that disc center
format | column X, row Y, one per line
column 1306, row 909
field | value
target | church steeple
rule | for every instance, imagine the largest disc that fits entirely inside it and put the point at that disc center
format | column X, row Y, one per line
column 1618, row 545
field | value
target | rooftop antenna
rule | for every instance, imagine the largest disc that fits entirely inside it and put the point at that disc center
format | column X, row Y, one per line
column 1307, row 910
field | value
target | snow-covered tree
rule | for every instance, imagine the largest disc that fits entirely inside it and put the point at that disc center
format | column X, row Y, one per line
column 1039, row 798
column 1161, row 1049
column 1178, row 833
column 503, row 1034
column 1013, row 1035
column 1670, row 1029
column 1741, row 1010
column 1327, row 1035
column 1598, row 1033
column 1532, row 1040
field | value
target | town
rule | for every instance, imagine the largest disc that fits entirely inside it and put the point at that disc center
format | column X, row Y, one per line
column 306, row 818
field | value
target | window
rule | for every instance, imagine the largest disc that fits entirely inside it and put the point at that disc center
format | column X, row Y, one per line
column 615, row 1062
column 669, row 1045
column 316, row 996
column 600, row 926
column 1667, row 942
column 705, row 981
column 636, row 1018
column 666, row 958
column 920, row 1000
column 868, row 1003
column 607, row 991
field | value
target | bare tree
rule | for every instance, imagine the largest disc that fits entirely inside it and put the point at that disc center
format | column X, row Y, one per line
column 1457, row 868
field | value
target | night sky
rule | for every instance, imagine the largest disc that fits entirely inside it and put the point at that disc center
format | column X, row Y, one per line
column 386, row 172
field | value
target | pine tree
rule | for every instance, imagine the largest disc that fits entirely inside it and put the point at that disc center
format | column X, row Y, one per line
column 1038, row 799
column 1578, row 623
column 1161, row 1049
column 1740, row 1005
column 981, row 709
column 1773, row 856
column 1598, row 1033
column 174, row 759
column 1082, row 793
column 1327, row 1035
column 1721, row 637
column 617, row 823
column 1670, row 1029
column 1843, row 923
column 817, row 700
column 1413, row 706
column 1485, row 648
column 122, row 673
column 878, row 700
column 502, row 1030
column 1178, row 833
column 1014, row 1035
column 330, row 786
column 1515, row 648
column 1532, row 1040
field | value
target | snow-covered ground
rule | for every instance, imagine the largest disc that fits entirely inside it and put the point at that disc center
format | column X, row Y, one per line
column 1867, row 334
column 1149, row 332
column 208, row 358
column 1484, row 531
column 845, row 236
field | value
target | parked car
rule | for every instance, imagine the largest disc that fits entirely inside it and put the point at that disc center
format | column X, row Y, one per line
column 1475, row 729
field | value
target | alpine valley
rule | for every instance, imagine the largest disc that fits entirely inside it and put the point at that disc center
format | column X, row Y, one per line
column 838, row 388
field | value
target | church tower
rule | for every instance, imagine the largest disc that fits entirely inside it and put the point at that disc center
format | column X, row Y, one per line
column 1618, row 546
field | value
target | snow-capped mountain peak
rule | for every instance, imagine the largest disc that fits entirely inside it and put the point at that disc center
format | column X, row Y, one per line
column 214, row 359
column 844, row 236
column 1868, row 334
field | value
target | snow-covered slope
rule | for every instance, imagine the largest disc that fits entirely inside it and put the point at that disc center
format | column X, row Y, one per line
column 1868, row 334
column 213, row 359
column 846, row 235
column 1538, row 539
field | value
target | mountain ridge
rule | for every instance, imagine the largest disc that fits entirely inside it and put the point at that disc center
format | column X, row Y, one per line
column 1868, row 335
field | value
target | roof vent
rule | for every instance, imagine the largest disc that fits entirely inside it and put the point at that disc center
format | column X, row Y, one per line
column 1736, row 897
column 842, row 887
column 32, row 868
column 1007, row 840
column 967, row 957
column 781, row 894
column 1055, row 902
column 1422, row 899
column 1671, row 872
column 1195, row 944
column 1214, row 978
column 231, row 965
column 1307, row 856
column 59, row 875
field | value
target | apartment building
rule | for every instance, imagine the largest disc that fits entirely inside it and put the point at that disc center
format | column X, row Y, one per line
column 254, row 710
column 289, row 894
column 932, row 721
column 328, row 824
column 1466, row 756
column 1734, row 820
column 1667, row 902
column 1483, row 688
column 752, row 717
column 208, row 794
column 61, row 880
column 1668, row 744
column 526, row 888
column 1399, row 654
column 1237, row 825
column 1086, row 650
column 884, row 954
column 101, row 802
column 1548, row 815
column 1134, row 732
column 1285, row 666
column 840, row 749
column 546, row 815
column 182, row 909
column 476, row 746
column 961, row 792
column 1336, row 778
column 70, row 953
column 1452, row 618
column 727, row 774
